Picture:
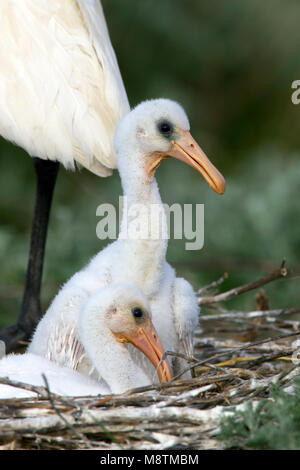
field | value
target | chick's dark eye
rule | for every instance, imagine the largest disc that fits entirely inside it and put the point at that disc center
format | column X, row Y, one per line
column 165, row 128
column 137, row 312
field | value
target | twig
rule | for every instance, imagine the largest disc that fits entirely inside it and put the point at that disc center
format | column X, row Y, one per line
column 269, row 357
column 212, row 285
column 62, row 417
column 234, row 314
column 230, row 294
column 130, row 415
column 232, row 351
column 183, row 383
column 41, row 391
column 171, row 353
column 277, row 379
column 249, row 325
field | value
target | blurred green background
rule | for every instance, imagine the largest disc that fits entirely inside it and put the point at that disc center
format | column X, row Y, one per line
column 231, row 65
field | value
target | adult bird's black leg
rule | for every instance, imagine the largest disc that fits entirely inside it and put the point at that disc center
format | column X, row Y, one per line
column 30, row 312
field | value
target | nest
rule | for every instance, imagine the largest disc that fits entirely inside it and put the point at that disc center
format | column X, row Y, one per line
column 183, row 414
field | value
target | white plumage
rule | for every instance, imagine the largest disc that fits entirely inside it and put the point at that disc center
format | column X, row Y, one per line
column 61, row 93
column 110, row 319
column 140, row 144
column 29, row 369
column 61, row 97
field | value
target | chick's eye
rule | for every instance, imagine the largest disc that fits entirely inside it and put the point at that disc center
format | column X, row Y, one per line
column 137, row 312
column 165, row 128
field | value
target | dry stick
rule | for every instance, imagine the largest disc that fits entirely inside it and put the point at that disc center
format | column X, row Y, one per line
column 268, row 326
column 286, row 372
column 181, row 355
column 280, row 272
column 233, row 350
column 41, row 391
column 234, row 314
column 171, row 385
column 260, row 388
column 204, row 361
column 213, row 284
column 223, row 347
column 127, row 416
column 293, row 323
column 70, row 426
column 251, row 361
column 264, row 388
column 171, row 353
column 60, row 441
column 268, row 357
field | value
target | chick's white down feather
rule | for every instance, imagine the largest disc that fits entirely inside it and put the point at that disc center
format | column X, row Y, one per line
column 29, row 369
column 61, row 92
column 116, row 367
column 139, row 261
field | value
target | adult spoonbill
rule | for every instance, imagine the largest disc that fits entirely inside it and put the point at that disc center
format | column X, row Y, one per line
column 61, row 96
column 152, row 132
column 111, row 320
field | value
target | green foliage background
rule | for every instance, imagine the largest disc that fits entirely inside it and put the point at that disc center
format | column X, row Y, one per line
column 231, row 64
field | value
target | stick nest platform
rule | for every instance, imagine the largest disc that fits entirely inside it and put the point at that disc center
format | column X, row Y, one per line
column 183, row 414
